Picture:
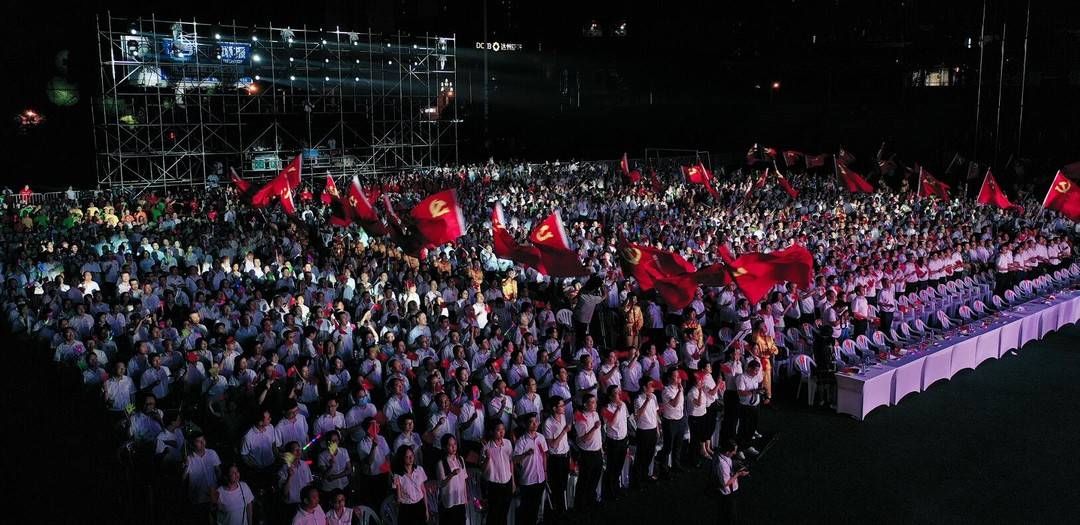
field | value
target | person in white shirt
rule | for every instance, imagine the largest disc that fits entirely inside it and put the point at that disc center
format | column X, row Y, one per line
column 590, row 460
column 119, row 390
column 259, row 449
column 498, row 478
column 453, row 484
column 292, row 427
column 556, row 428
column 233, row 500
column 672, row 422
column 294, row 474
column 333, row 464
column 750, row 391
column 886, row 300
column 530, row 455
column 860, row 311
column 727, row 478
column 615, row 416
column 309, row 512
column 408, row 483
column 339, row 513
column 201, row 470
column 646, row 419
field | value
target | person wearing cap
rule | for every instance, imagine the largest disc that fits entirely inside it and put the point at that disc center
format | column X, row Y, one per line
column 530, row 456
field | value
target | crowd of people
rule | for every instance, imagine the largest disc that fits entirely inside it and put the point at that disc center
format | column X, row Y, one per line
column 260, row 367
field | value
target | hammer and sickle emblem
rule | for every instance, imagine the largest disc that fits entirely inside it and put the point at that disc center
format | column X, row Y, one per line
column 632, row 255
column 544, row 233
column 286, row 193
column 740, row 271
column 438, row 208
column 352, row 200
column 1063, row 186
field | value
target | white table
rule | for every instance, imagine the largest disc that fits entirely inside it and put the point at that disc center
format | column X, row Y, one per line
column 887, row 383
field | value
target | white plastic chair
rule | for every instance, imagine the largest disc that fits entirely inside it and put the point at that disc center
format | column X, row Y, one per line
column 862, row 344
column 388, row 510
column 367, row 516
column 805, row 365
column 998, row 302
column 1010, row 296
column 966, row 313
column 847, row 350
column 920, row 328
column 878, row 341
column 943, row 320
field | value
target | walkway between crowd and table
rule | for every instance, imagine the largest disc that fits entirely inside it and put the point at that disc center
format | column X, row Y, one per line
column 885, row 384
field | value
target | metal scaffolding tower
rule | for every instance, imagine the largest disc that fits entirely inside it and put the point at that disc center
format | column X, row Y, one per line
column 183, row 100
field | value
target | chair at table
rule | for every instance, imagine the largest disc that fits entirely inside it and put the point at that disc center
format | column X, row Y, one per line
column 847, row 352
column 808, row 333
column 998, row 302
column 979, row 308
column 1010, row 297
column 726, row 335
column 908, row 335
column 944, row 321
column 894, row 339
column 795, row 341
column 967, row 315
column 920, row 328
column 862, row 344
column 878, row 341
column 805, row 365
column 388, row 510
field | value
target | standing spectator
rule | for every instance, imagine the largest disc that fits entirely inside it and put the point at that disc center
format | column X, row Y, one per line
column 232, row 500
column 453, row 484
column 750, row 392
column 672, row 422
column 530, row 455
column 556, row 428
column 201, row 471
column 615, row 416
column 408, row 482
column 498, row 477
column 309, row 512
column 590, row 453
column 727, row 478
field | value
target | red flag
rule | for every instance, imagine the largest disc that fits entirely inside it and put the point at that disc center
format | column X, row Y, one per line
column 410, row 242
column 329, row 191
column 991, row 193
column 242, row 186
column 625, row 165
column 363, row 212
column 505, row 246
column 784, row 183
column 698, row 174
column 770, row 153
column 854, row 182
column 556, row 257
column 281, row 187
column 816, row 161
column 757, row 273
column 929, row 185
column 791, row 157
column 1063, row 197
column 648, row 264
column 439, row 218
column 635, row 176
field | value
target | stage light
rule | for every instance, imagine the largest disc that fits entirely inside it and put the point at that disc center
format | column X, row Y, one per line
column 290, row 40
column 292, row 77
column 291, row 59
column 358, row 61
column 354, row 38
column 414, row 46
column 776, row 85
column 327, row 60
column 326, row 79
column 324, row 41
column 217, row 36
column 134, row 31
column 388, row 44
column 254, row 38
column 256, row 58
column 258, row 77
column 389, row 62
column 356, row 79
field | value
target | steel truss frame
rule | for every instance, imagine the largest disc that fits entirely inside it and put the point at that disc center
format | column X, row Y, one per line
column 182, row 100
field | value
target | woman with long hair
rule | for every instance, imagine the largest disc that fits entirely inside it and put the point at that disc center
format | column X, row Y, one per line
column 408, row 482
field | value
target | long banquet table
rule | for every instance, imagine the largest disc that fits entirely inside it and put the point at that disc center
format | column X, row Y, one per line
column 885, row 384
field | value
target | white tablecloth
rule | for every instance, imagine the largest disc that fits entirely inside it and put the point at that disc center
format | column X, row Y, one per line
column 887, row 383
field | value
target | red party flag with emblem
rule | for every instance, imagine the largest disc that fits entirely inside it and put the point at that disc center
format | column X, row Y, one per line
column 816, row 161
column 757, row 273
column 242, row 186
column 1063, row 197
column 854, row 182
column 845, row 156
column 363, row 212
column 505, row 247
column 991, row 193
column 329, row 190
column 624, row 163
column 654, row 181
column 931, row 186
column 439, row 217
column 557, row 259
column 647, row 264
column 281, row 187
column 698, row 174
column 791, row 157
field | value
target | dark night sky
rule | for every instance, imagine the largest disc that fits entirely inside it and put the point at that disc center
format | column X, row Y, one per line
column 844, row 68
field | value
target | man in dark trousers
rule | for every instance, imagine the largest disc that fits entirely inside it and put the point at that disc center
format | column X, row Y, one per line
column 727, row 478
